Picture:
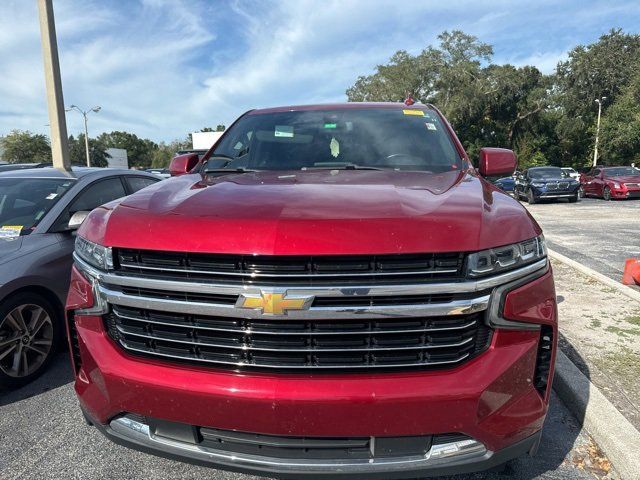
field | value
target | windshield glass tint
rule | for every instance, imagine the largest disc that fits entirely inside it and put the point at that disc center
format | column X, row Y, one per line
column 25, row 201
column 545, row 173
column 621, row 171
column 368, row 137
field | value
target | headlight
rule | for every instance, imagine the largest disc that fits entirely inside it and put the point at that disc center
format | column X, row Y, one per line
column 616, row 185
column 94, row 254
column 499, row 259
column 538, row 184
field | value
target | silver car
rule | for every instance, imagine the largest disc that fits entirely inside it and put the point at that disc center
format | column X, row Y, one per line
column 39, row 212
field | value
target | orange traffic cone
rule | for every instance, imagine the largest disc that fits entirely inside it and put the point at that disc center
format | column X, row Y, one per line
column 631, row 275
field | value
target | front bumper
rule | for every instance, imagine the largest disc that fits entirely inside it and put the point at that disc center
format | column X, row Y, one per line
column 443, row 458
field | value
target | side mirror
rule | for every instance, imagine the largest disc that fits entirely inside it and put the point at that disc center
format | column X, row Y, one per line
column 497, row 162
column 76, row 219
column 181, row 164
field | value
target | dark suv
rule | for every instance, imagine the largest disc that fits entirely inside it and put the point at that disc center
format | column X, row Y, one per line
column 542, row 183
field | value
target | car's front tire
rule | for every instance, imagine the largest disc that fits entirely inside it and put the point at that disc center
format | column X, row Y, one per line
column 30, row 332
column 575, row 198
column 606, row 193
column 531, row 198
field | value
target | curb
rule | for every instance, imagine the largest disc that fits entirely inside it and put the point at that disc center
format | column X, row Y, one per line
column 613, row 433
column 625, row 290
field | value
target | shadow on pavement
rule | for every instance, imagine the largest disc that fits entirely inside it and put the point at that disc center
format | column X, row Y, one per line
column 59, row 373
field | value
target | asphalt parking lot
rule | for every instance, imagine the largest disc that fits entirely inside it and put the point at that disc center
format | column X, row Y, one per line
column 596, row 233
column 44, row 436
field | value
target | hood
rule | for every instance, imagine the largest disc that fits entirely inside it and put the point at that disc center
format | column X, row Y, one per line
column 8, row 247
column 314, row 213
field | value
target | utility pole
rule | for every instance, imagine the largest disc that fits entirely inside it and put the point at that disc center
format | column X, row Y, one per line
column 53, row 83
column 595, row 150
column 84, row 114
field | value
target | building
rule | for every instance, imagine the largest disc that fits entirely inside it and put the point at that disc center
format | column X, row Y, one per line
column 118, row 158
column 204, row 140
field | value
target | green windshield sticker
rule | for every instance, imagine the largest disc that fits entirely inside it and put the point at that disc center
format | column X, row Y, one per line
column 330, row 125
column 284, row 131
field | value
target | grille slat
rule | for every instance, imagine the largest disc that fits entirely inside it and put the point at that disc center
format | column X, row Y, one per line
column 311, row 345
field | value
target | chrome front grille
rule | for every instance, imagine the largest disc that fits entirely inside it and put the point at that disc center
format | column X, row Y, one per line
column 299, row 344
column 336, row 326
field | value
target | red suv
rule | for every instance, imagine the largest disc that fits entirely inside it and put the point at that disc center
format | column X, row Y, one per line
column 331, row 291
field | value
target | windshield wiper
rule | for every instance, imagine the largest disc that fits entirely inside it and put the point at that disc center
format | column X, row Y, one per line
column 343, row 167
column 230, row 170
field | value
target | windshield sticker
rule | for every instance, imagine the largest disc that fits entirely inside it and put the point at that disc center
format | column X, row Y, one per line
column 51, row 196
column 334, row 147
column 418, row 113
column 284, row 131
column 331, row 125
column 430, row 126
column 10, row 231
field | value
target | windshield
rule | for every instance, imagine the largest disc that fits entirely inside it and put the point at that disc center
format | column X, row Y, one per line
column 368, row 137
column 545, row 173
column 621, row 171
column 25, row 201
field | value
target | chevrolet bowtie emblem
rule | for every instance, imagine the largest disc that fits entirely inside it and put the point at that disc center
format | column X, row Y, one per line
column 274, row 303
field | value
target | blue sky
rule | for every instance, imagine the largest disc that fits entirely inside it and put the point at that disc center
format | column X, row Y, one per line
column 161, row 69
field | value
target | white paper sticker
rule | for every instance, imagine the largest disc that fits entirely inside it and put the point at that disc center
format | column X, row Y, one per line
column 430, row 126
column 284, row 131
column 51, row 196
column 10, row 231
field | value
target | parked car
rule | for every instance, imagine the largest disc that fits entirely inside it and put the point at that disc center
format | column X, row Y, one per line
column 545, row 183
column 611, row 183
column 39, row 211
column 336, row 290
column 571, row 173
column 506, row 183
column 160, row 172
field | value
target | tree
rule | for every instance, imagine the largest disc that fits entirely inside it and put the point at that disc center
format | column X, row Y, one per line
column 25, row 147
column 97, row 151
column 220, row 128
column 139, row 150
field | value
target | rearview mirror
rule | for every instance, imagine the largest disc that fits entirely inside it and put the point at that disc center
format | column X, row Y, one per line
column 76, row 219
column 181, row 164
column 497, row 162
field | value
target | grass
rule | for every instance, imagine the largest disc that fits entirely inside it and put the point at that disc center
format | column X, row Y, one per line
column 595, row 323
column 633, row 320
column 623, row 332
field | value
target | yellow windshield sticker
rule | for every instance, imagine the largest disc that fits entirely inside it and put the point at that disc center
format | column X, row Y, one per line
column 418, row 113
column 10, row 231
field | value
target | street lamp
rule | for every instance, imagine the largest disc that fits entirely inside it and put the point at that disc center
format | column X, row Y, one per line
column 595, row 150
column 86, row 132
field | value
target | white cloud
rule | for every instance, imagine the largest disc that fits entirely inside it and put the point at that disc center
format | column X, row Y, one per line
column 161, row 68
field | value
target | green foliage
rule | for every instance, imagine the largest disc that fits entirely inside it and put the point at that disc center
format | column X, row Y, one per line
column 21, row 146
column 546, row 119
column 97, row 151
column 139, row 150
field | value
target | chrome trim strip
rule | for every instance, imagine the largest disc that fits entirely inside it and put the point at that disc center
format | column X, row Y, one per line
column 287, row 275
column 293, row 367
column 455, row 307
column 250, row 348
column 440, row 454
column 314, row 333
column 469, row 286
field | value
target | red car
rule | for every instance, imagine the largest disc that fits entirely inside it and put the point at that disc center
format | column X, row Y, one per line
column 611, row 182
column 335, row 293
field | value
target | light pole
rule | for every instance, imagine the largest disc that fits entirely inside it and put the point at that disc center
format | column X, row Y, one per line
column 86, row 131
column 595, row 150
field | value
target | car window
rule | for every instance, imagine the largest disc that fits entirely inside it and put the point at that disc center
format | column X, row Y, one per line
column 138, row 183
column 596, row 172
column 94, row 195
column 25, row 201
